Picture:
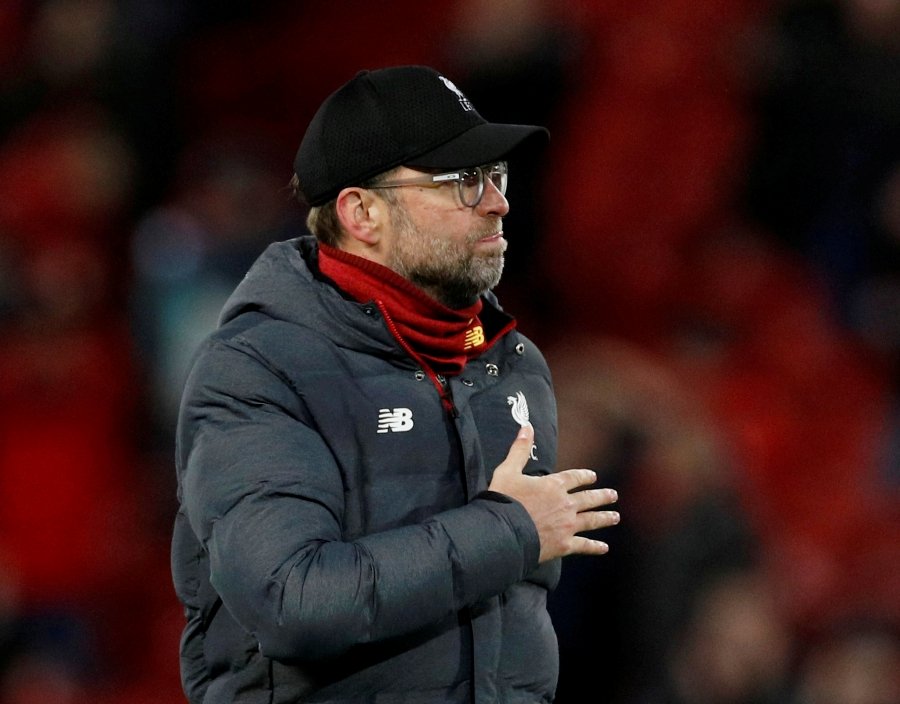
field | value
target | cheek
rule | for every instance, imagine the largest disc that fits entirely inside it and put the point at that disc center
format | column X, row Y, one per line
column 437, row 236
column 434, row 233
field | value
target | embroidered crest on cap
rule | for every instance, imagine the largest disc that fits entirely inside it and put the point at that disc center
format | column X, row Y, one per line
column 463, row 100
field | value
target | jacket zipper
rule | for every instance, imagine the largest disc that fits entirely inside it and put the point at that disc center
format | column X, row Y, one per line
column 443, row 389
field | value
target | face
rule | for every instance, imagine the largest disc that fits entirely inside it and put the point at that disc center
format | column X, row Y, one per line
column 451, row 251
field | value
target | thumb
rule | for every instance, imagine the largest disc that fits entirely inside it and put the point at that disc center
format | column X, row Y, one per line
column 519, row 452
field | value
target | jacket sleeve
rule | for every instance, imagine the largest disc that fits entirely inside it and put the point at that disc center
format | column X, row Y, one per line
column 265, row 497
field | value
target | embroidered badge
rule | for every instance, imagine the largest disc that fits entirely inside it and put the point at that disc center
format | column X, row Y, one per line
column 463, row 100
column 520, row 414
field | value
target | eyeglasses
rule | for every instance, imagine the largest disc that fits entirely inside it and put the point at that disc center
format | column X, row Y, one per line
column 470, row 181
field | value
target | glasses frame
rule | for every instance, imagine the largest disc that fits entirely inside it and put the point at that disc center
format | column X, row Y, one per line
column 458, row 176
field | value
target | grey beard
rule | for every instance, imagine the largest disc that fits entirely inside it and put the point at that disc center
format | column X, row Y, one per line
column 450, row 274
column 459, row 289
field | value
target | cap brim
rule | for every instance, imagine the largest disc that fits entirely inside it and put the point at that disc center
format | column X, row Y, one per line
column 482, row 144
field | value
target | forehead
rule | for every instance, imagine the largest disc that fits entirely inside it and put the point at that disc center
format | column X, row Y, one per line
column 403, row 172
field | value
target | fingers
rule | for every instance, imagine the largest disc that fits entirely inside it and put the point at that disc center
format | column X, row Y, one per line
column 593, row 520
column 588, row 521
column 526, row 434
column 519, row 452
column 586, row 503
column 574, row 478
column 586, row 546
column 561, row 504
column 594, row 498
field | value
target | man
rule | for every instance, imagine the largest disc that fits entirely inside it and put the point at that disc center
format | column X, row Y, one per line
column 369, row 509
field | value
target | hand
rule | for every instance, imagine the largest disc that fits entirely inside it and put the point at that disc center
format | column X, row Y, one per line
column 557, row 512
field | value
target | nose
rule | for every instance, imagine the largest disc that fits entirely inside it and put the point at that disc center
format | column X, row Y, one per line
column 492, row 202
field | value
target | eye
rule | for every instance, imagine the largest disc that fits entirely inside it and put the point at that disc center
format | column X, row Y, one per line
column 469, row 178
column 497, row 174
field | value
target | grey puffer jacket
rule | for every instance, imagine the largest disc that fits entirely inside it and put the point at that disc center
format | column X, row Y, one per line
column 335, row 540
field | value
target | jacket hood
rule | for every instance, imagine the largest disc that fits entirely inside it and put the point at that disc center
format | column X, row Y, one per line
column 283, row 285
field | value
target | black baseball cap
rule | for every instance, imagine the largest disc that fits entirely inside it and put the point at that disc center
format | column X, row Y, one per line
column 403, row 115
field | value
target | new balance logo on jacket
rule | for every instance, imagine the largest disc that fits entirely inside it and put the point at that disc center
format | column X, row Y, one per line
column 394, row 420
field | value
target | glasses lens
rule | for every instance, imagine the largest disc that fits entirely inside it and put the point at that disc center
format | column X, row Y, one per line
column 499, row 175
column 471, row 186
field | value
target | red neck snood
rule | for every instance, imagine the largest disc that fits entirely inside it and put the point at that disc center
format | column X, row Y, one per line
column 441, row 339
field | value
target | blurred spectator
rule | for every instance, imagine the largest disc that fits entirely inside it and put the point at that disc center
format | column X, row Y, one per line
column 829, row 138
column 626, row 413
column 857, row 664
column 10, row 286
column 228, row 201
column 736, row 648
column 874, row 311
column 9, row 610
column 267, row 73
column 802, row 409
column 64, row 430
column 66, row 176
column 100, row 54
column 643, row 157
column 41, row 679
column 70, row 527
column 62, row 51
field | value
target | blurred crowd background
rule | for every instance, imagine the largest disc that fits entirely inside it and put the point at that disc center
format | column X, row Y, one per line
column 708, row 252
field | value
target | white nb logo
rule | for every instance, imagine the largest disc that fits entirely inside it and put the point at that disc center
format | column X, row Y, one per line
column 396, row 420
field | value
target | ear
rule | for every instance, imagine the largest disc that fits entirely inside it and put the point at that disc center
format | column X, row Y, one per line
column 360, row 214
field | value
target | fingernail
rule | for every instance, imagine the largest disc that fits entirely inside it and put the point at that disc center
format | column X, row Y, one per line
column 614, row 495
column 523, row 432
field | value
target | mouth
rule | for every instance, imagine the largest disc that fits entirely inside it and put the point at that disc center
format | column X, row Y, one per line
column 493, row 237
